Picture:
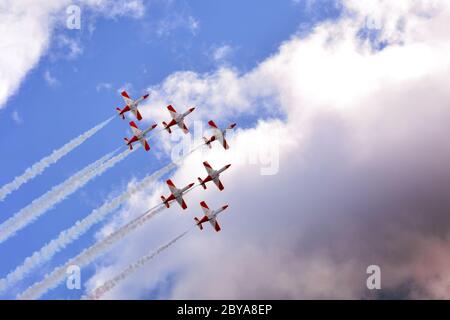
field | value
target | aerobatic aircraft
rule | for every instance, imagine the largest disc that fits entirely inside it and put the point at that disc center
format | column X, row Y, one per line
column 139, row 135
column 131, row 105
column 176, row 194
column 218, row 135
column 210, row 215
column 213, row 175
column 177, row 119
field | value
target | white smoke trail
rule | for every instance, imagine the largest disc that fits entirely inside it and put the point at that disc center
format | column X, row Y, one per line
column 80, row 227
column 86, row 256
column 77, row 230
column 57, row 194
column 40, row 166
column 113, row 282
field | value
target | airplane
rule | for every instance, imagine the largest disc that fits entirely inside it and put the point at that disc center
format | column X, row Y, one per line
column 131, row 105
column 139, row 135
column 213, row 175
column 210, row 215
column 177, row 119
column 218, row 134
column 176, row 194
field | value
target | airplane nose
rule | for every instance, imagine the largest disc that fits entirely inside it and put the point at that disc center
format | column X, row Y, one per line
column 191, row 109
column 227, row 166
column 224, row 207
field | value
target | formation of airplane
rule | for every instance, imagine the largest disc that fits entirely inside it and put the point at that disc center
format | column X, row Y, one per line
column 213, row 175
column 178, row 120
column 131, row 105
column 218, row 134
column 209, row 216
column 139, row 135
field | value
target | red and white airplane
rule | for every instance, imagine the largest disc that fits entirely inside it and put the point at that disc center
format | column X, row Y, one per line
column 139, row 135
column 176, row 194
column 177, row 119
column 131, row 105
column 210, row 215
column 219, row 134
column 213, row 175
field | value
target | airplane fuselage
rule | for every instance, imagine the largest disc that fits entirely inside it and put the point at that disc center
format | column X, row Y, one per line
column 178, row 119
column 214, row 213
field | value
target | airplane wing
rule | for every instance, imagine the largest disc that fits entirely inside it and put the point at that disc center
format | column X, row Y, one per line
column 212, row 124
column 172, row 187
column 221, row 139
column 142, row 98
column 218, row 183
column 126, row 98
column 180, row 200
column 215, row 224
column 173, row 113
column 208, row 168
column 215, row 128
column 224, row 143
column 145, row 144
column 135, row 128
column 136, row 113
column 183, row 127
column 205, row 208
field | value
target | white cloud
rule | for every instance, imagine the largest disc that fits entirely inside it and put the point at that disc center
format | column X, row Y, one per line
column 50, row 79
column 103, row 86
column 72, row 48
column 222, row 53
column 193, row 25
column 178, row 20
column 363, row 173
column 114, row 9
column 16, row 117
column 27, row 27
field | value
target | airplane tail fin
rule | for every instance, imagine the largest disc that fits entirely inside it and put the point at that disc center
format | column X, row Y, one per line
column 130, row 145
column 199, row 225
column 202, row 183
column 120, row 113
column 166, row 127
column 166, row 203
column 138, row 115
column 207, row 142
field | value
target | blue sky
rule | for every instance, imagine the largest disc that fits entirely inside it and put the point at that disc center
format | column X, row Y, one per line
column 64, row 96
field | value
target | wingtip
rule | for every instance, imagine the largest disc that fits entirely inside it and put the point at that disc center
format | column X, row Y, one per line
column 206, row 164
